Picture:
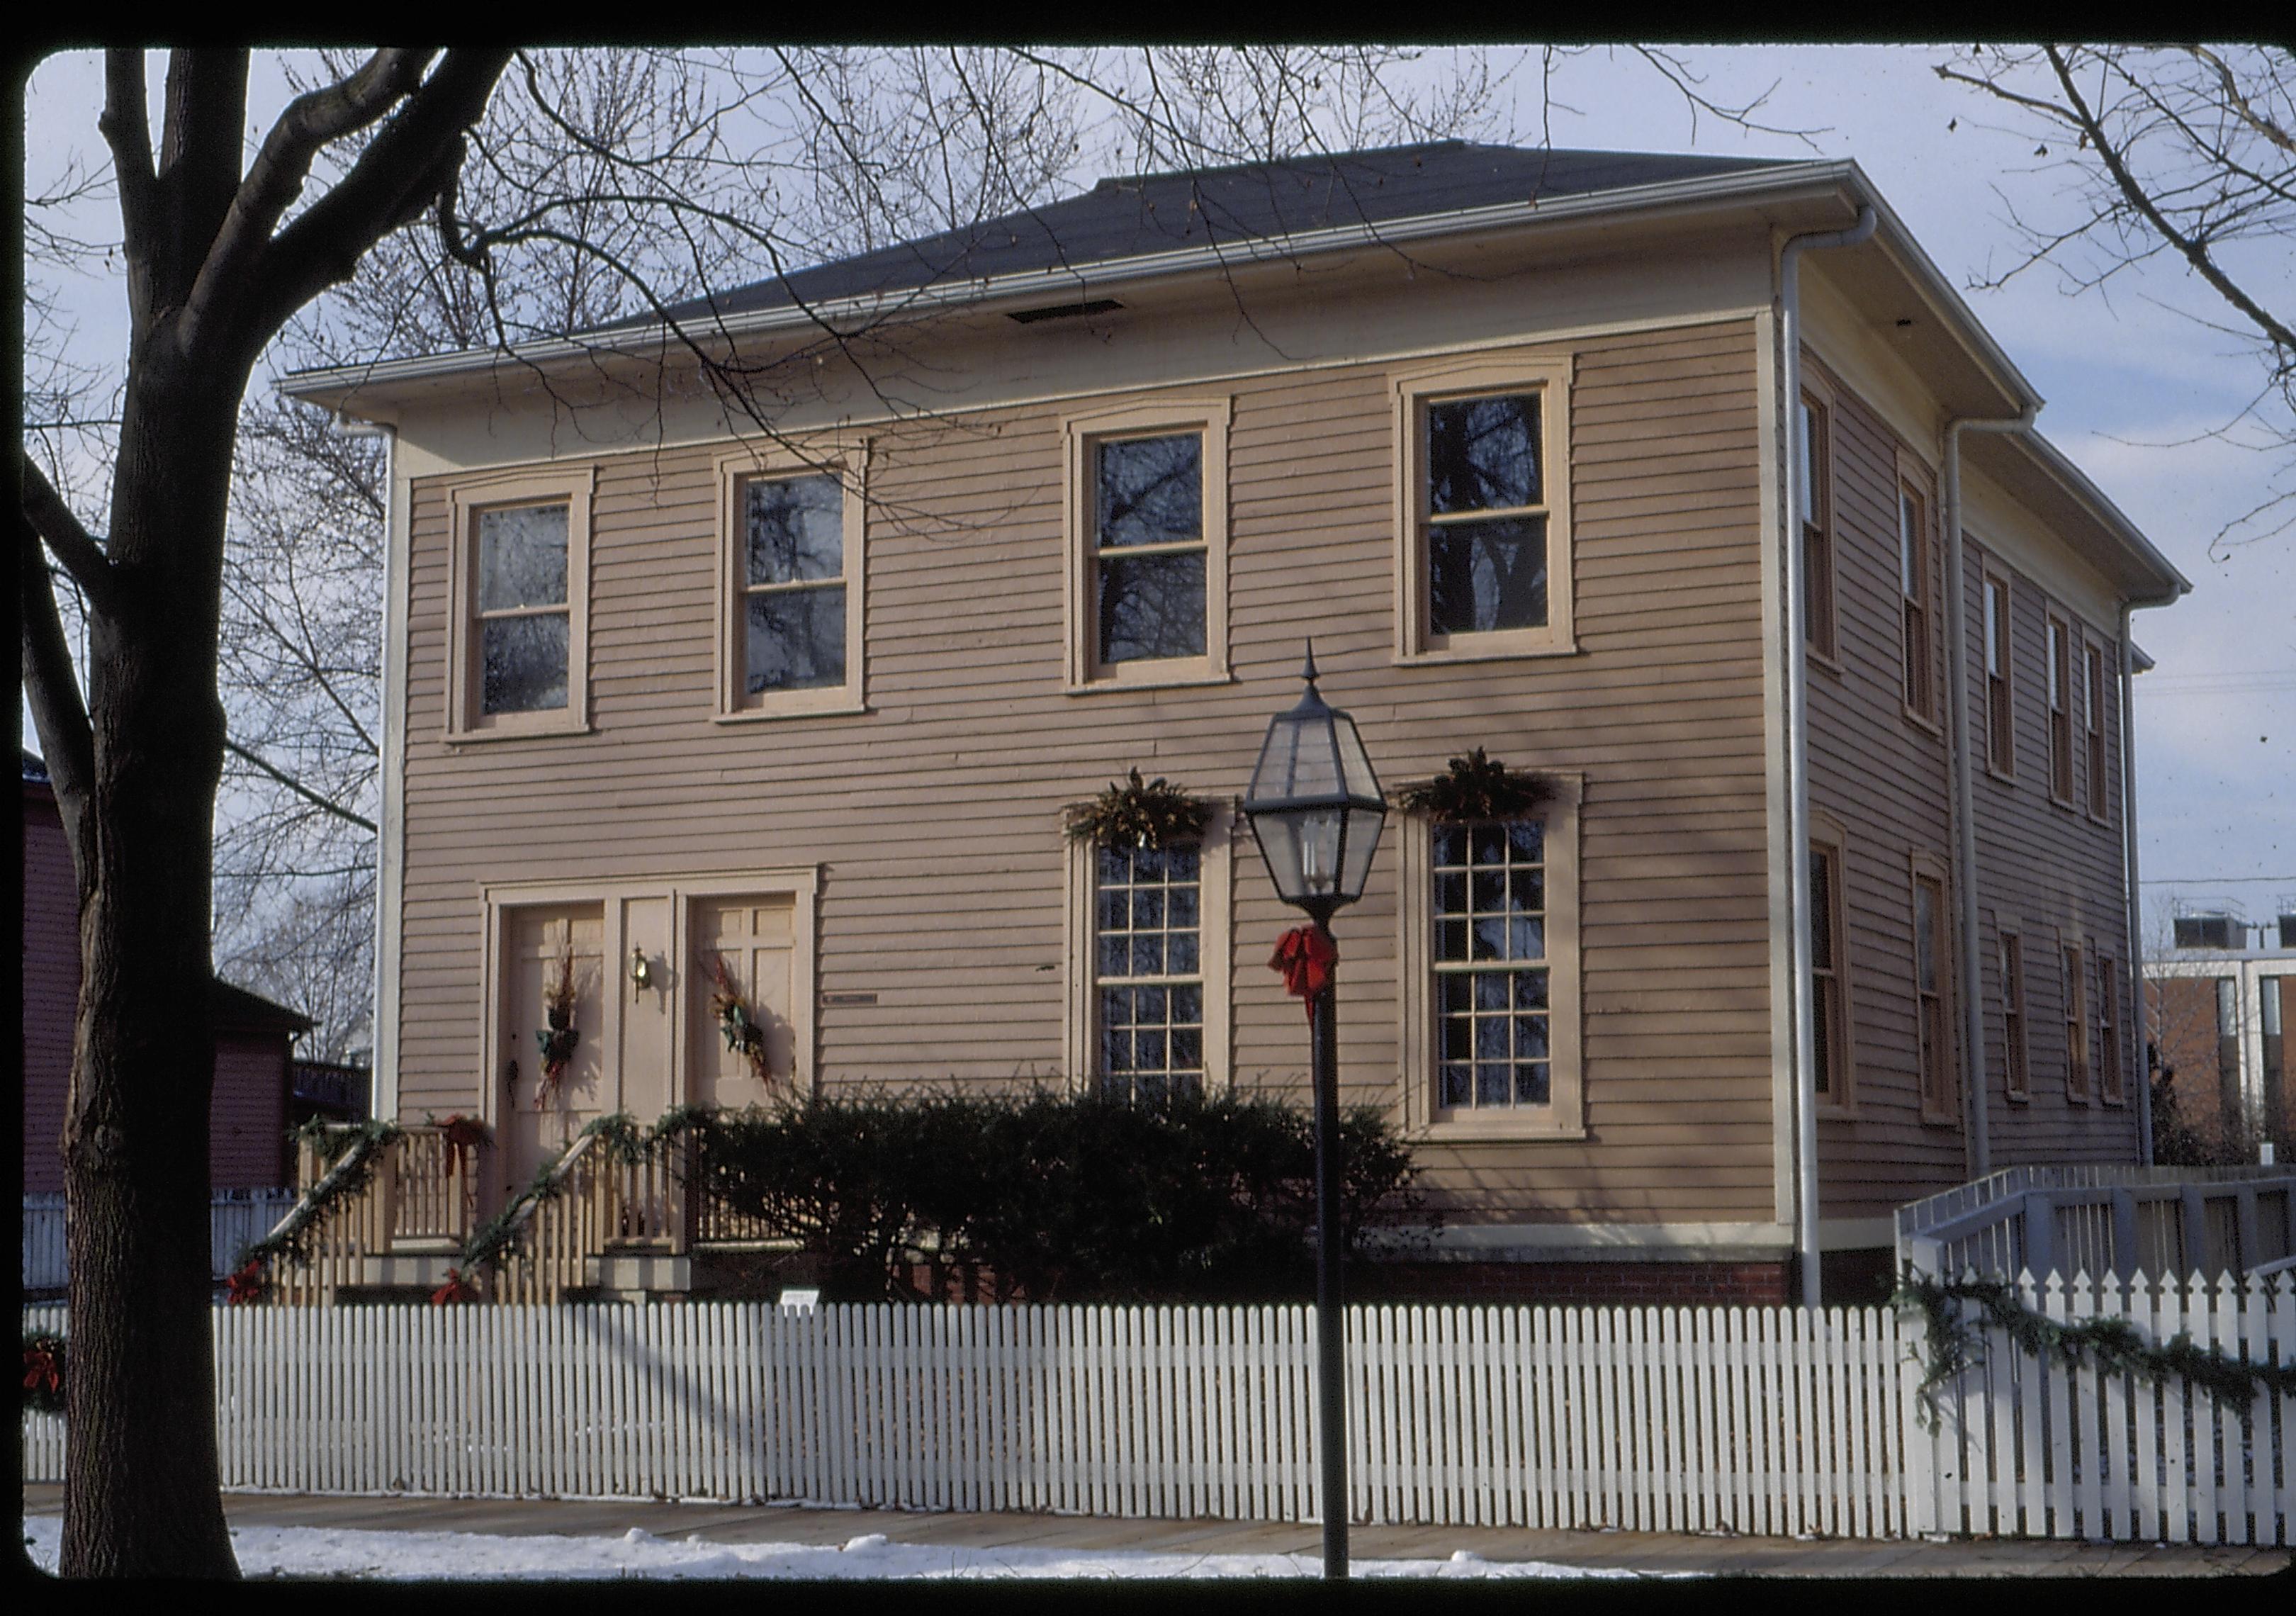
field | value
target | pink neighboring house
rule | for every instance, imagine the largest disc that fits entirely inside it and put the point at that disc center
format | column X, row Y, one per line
column 246, row 1142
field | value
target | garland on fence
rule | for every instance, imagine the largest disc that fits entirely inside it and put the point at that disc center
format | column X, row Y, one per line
column 1475, row 787
column 2111, row 1346
column 351, row 1154
column 43, row 1372
column 1153, row 814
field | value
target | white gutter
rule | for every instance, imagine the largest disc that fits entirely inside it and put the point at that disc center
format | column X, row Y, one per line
column 1978, row 1093
column 382, row 1095
column 1797, row 655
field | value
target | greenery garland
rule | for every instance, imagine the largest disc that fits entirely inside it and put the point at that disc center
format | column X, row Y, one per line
column 44, row 1362
column 2111, row 1346
column 1475, row 787
column 352, row 1153
column 619, row 1136
column 1153, row 814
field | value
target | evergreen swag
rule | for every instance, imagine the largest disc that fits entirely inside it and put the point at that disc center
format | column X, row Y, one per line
column 352, row 1153
column 43, row 1372
column 1152, row 814
column 619, row 1136
column 1475, row 787
column 2111, row 1346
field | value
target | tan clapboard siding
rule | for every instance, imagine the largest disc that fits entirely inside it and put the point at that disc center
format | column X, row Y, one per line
column 935, row 817
column 2058, row 872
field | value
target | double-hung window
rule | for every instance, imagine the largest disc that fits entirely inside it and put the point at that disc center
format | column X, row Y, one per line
column 2076, row 1010
column 1148, row 544
column 791, row 580
column 2000, row 718
column 1814, row 476
column 1483, row 566
column 2100, row 800
column 2012, row 1016
column 520, row 637
column 1914, row 604
column 1933, row 972
column 1491, row 993
column 2060, row 712
column 1149, row 1009
column 1829, row 964
column 2108, row 1034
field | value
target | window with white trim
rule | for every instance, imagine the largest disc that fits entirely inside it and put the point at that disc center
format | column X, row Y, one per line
column 1814, row 467
column 789, row 580
column 1491, row 979
column 2100, row 798
column 1148, row 1010
column 1147, row 551
column 1483, row 509
column 2000, row 734
column 520, row 632
column 1920, row 690
column 2061, row 713
column 1932, row 995
column 1829, row 961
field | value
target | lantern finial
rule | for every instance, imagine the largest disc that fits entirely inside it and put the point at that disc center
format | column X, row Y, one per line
column 1309, row 672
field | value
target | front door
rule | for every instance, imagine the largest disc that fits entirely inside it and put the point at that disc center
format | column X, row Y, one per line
column 755, row 941
column 554, row 956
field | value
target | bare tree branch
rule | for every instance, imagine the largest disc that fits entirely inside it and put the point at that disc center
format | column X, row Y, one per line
column 59, row 714
column 323, row 803
column 82, row 556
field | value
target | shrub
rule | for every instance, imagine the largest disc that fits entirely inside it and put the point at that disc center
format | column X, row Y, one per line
column 1060, row 1197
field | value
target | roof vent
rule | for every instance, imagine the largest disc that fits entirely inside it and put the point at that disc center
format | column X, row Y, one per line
column 1064, row 311
column 2205, row 932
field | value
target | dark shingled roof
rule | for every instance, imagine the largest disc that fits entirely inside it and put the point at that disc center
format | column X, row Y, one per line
column 1145, row 214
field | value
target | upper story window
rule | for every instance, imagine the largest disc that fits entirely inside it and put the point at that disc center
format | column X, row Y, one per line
column 1148, row 1012
column 1483, row 515
column 1148, row 544
column 790, row 584
column 1920, row 684
column 2000, row 716
column 2100, row 800
column 1491, row 980
column 2061, row 714
column 1813, row 473
column 519, row 640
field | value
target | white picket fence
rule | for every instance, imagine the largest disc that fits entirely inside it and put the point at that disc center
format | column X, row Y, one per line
column 236, row 1219
column 1761, row 1421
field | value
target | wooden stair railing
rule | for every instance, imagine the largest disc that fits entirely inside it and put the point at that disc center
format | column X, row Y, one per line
column 419, row 1196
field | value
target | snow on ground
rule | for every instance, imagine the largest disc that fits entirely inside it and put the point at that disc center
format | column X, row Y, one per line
column 306, row 1550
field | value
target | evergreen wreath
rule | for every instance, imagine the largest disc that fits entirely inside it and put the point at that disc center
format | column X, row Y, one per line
column 1133, row 813
column 1475, row 787
column 2111, row 1346
column 559, row 1038
column 43, row 1372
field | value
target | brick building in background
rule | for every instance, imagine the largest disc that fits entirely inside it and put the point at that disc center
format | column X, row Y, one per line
column 2214, row 1002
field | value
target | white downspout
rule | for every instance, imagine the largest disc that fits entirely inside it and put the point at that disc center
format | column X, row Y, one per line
column 2140, row 1085
column 1797, row 655
column 382, row 1056
column 1977, row 1095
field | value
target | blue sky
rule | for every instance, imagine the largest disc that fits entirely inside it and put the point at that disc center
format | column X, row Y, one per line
column 2216, row 724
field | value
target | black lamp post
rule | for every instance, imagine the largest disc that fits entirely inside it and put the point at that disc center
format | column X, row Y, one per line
column 1316, row 810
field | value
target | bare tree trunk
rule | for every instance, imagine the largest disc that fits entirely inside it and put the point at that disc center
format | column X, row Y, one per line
column 143, row 1380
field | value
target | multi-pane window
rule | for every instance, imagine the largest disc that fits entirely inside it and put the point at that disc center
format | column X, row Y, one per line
column 1484, row 515
column 523, row 615
column 2228, row 1084
column 1148, row 980
column 1914, row 597
column 2061, row 716
column 2093, row 664
column 1817, row 492
column 1148, row 547
column 1933, row 1034
column 792, row 584
column 2076, row 1005
column 2000, row 738
column 2107, row 1033
column 1492, row 979
column 2013, row 1015
column 1827, row 970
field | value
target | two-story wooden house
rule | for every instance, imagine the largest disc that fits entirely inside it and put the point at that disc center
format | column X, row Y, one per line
column 1519, row 438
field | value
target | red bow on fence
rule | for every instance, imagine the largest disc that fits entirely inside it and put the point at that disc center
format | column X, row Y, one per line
column 245, row 1284
column 41, row 1374
column 1305, row 955
column 456, row 1289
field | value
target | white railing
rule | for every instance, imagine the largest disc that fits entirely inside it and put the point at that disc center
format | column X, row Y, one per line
column 2103, row 1218
column 1748, row 1420
column 235, row 1219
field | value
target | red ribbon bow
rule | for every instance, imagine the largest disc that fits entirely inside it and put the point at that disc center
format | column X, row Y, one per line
column 40, row 1372
column 245, row 1284
column 1305, row 955
column 454, row 1290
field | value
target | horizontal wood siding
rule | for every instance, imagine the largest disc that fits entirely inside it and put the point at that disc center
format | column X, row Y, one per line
column 935, row 816
column 2059, row 872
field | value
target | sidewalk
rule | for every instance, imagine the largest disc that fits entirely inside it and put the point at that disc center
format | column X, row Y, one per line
column 1620, row 1551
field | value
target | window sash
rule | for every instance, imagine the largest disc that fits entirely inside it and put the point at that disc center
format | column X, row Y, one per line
column 1816, row 526
column 1536, row 598
column 1481, row 1077
column 1827, row 970
column 1103, row 557
column 2108, row 1032
column 1913, row 586
column 2000, row 731
column 2099, row 798
column 2076, row 992
column 1934, row 1051
column 2012, row 1014
column 2061, row 730
column 1171, row 1030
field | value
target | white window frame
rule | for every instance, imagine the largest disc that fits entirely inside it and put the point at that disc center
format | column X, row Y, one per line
column 849, row 463
column 575, row 487
column 1564, row 1116
column 1550, row 375
column 1082, row 432
column 2000, row 717
column 1215, row 953
column 1942, row 1111
column 1914, row 484
column 1828, row 835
